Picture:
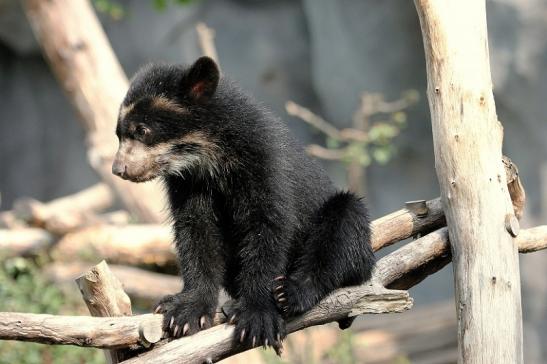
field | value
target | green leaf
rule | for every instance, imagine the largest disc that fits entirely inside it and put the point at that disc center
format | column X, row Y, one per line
column 333, row 143
column 382, row 132
column 160, row 5
column 411, row 96
column 399, row 118
column 382, row 155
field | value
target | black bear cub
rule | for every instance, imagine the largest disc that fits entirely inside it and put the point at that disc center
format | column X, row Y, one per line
column 251, row 212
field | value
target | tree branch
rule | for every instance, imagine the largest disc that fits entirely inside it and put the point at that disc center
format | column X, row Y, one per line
column 405, row 267
column 87, row 69
column 402, row 269
column 206, row 38
column 104, row 296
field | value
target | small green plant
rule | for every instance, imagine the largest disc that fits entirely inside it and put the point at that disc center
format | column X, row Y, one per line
column 342, row 351
column 376, row 123
column 111, row 8
column 163, row 4
column 23, row 289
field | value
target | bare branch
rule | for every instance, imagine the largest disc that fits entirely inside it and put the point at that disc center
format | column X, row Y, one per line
column 318, row 151
column 313, row 119
column 402, row 224
column 67, row 213
column 532, row 240
column 130, row 244
column 403, row 268
column 206, row 37
column 138, row 283
column 99, row 332
column 104, row 296
column 82, row 59
column 24, row 241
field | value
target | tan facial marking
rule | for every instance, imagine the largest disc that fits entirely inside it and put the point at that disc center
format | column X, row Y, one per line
column 207, row 159
column 200, row 138
column 141, row 161
column 162, row 102
column 124, row 110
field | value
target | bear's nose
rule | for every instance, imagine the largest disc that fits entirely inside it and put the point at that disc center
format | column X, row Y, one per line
column 119, row 169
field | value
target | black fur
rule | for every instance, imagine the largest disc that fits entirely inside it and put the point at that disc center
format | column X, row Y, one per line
column 255, row 215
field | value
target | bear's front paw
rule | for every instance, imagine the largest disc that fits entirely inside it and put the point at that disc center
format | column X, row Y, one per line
column 257, row 326
column 185, row 314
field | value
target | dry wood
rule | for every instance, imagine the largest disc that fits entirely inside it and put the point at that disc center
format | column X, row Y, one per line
column 402, row 224
column 217, row 342
column 24, row 241
column 83, row 61
column 467, row 143
column 206, row 38
column 391, row 269
column 138, row 283
column 515, row 187
column 8, row 220
column 416, row 260
column 104, row 296
column 116, row 332
column 67, row 213
column 533, row 239
column 152, row 244
column 100, row 332
column 131, row 244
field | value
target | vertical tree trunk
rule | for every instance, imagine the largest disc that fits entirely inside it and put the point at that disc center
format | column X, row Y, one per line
column 81, row 58
column 467, row 141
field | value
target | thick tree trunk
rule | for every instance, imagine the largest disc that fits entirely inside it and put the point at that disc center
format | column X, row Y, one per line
column 467, row 141
column 81, row 58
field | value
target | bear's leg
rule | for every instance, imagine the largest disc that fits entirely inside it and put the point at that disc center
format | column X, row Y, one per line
column 335, row 252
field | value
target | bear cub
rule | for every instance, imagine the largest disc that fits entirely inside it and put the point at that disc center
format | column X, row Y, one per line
column 251, row 212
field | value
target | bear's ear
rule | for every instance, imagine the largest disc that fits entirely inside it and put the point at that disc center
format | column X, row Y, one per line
column 202, row 79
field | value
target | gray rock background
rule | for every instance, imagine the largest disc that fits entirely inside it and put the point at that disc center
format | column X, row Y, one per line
column 319, row 53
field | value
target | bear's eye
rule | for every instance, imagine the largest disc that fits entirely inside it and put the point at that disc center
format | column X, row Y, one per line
column 141, row 131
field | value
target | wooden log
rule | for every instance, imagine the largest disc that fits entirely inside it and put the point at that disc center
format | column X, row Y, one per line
column 24, row 242
column 403, row 224
column 130, row 244
column 206, row 40
column 80, row 55
column 116, row 332
column 389, row 269
column 467, row 143
column 139, row 284
column 66, row 213
column 152, row 244
column 99, row 332
column 216, row 343
column 104, row 296
column 533, row 239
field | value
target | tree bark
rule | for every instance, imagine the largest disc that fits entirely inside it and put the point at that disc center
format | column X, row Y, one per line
column 130, row 244
column 66, row 213
column 141, row 285
column 24, row 242
column 405, row 267
column 98, row 332
column 104, row 296
column 467, row 143
column 82, row 59
column 401, row 268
